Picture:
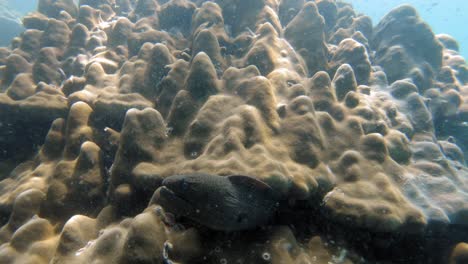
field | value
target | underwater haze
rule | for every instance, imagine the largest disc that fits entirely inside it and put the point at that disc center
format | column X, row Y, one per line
column 447, row 16
column 444, row 16
column 233, row 132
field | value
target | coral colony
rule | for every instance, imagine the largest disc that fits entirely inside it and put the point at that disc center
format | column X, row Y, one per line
column 231, row 131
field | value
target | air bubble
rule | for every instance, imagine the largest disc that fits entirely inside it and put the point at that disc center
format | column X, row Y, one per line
column 79, row 251
column 217, row 249
column 287, row 246
column 341, row 258
column 223, row 261
column 166, row 248
column 169, row 219
column 178, row 227
column 384, row 211
column 158, row 210
column 266, row 256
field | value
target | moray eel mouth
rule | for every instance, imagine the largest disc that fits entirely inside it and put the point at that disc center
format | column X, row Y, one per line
column 173, row 203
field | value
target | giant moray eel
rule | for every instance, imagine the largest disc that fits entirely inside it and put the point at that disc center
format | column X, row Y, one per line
column 229, row 203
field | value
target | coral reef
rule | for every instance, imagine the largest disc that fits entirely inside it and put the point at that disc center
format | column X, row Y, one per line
column 358, row 132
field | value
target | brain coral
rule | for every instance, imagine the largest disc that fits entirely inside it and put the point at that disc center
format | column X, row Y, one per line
column 360, row 131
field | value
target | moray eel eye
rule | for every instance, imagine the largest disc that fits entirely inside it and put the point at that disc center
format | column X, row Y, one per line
column 241, row 218
column 184, row 185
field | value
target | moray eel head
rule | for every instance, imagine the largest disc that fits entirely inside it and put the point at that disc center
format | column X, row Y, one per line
column 225, row 203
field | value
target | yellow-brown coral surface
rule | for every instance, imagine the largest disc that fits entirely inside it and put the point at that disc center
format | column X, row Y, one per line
column 360, row 131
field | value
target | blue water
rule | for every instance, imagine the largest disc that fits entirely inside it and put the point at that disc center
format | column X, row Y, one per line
column 22, row 6
column 444, row 16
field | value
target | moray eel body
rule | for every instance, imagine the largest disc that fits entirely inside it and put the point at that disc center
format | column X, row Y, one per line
column 228, row 203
